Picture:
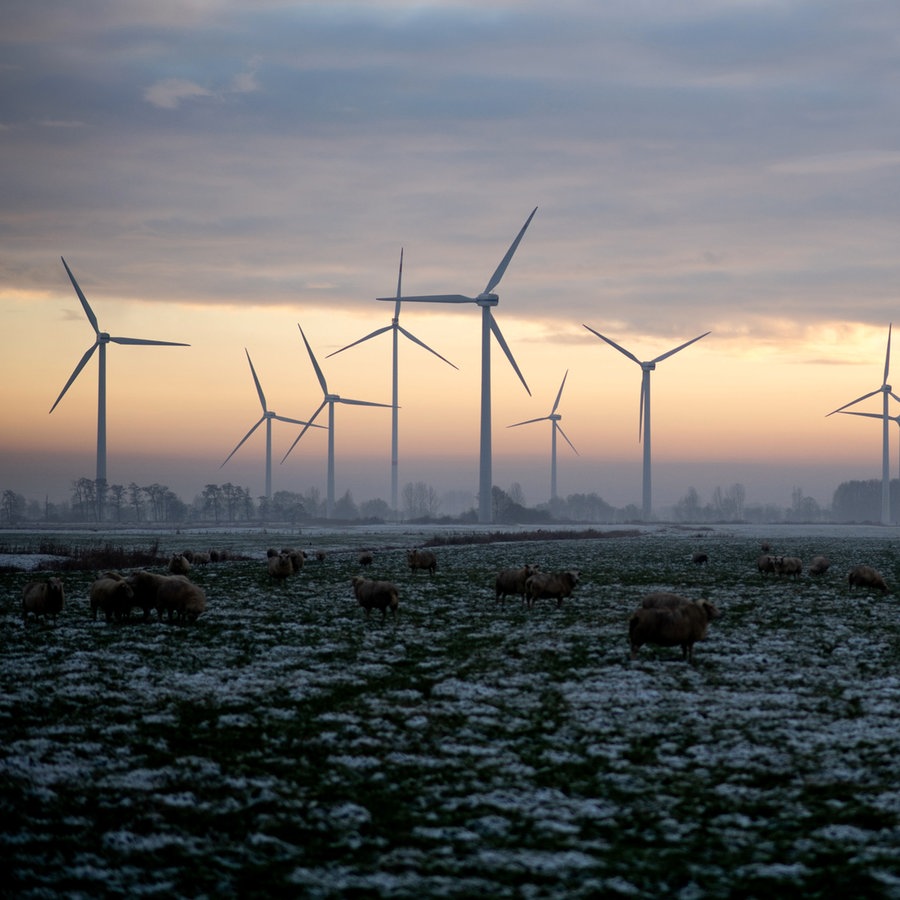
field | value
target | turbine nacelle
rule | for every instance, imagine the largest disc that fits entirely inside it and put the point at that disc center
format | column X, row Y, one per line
column 648, row 366
column 103, row 337
column 487, row 299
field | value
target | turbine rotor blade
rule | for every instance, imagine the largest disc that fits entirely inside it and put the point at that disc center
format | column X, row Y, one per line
column 887, row 355
column 146, row 343
column 559, row 428
column 847, row 412
column 373, row 334
column 853, row 402
column 681, row 347
column 306, row 427
column 315, row 364
column 363, row 403
column 612, row 343
column 529, row 421
column 641, row 413
column 86, row 306
column 415, row 340
column 399, row 280
column 500, row 340
column 74, row 374
column 259, row 390
column 556, row 402
column 243, row 440
column 498, row 274
column 432, row 298
column 297, row 421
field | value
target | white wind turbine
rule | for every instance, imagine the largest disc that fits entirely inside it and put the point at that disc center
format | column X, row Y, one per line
column 267, row 417
column 328, row 400
column 486, row 299
column 555, row 427
column 887, row 393
column 396, row 329
column 100, row 342
column 644, row 416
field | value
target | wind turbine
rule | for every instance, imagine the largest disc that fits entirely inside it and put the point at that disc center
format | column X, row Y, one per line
column 887, row 393
column 328, row 400
column 102, row 339
column 644, row 416
column 486, row 299
column 396, row 329
column 555, row 427
column 266, row 417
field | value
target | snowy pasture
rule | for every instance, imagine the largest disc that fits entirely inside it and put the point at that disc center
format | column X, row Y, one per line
column 286, row 744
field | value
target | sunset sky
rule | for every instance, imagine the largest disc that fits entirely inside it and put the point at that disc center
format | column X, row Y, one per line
column 217, row 173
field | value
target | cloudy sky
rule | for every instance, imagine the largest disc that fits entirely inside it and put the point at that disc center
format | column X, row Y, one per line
column 219, row 172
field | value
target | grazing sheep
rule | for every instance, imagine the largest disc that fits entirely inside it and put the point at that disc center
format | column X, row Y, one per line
column 43, row 598
column 421, row 559
column 376, row 595
column 818, row 565
column 765, row 547
column 320, row 555
column 145, row 586
column 512, row 581
column 180, row 598
column 179, row 564
column 558, row 585
column 867, row 577
column 788, row 565
column 699, row 559
column 681, row 626
column 365, row 558
column 112, row 595
column 279, row 565
column 765, row 564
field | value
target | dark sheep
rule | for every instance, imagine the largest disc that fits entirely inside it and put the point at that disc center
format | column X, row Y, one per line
column 376, row 595
column 867, row 577
column 512, row 581
column 421, row 559
column 43, row 598
column 552, row 585
column 681, row 626
column 112, row 595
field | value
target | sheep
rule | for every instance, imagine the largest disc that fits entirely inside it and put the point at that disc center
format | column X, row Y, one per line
column 421, row 559
column 279, row 565
column 512, row 581
column 180, row 598
column 788, row 565
column 681, row 626
column 699, row 559
column 365, row 558
column 297, row 557
column 179, row 564
column 765, row 564
column 542, row 585
column 197, row 557
column 43, row 598
column 320, row 555
column 818, row 565
column 866, row 576
column 376, row 595
column 112, row 595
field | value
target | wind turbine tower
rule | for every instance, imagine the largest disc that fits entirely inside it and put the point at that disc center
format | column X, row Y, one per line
column 329, row 400
column 486, row 300
column 886, row 392
column 396, row 330
column 553, row 418
column 102, row 338
column 644, row 416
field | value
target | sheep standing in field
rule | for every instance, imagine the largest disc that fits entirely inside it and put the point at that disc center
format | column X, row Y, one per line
column 320, row 555
column 554, row 585
column 179, row 564
column 819, row 565
column 867, row 577
column 43, row 598
column 180, row 598
column 788, row 565
column 765, row 564
column 421, row 559
column 365, row 558
column 376, row 595
column 512, row 581
column 279, row 565
column 297, row 557
column 699, row 559
column 112, row 595
column 679, row 626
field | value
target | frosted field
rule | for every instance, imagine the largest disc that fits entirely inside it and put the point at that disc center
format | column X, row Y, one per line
column 286, row 744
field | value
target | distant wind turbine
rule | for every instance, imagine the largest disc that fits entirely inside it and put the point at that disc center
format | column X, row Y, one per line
column 396, row 329
column 555, row 427
column 266, row 417
column 644, row 416
column 328, row 400
column 102, row 339
column 486, row 299
column 887, row 393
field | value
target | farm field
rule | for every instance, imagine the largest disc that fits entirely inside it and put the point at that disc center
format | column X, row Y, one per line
column 287, row 744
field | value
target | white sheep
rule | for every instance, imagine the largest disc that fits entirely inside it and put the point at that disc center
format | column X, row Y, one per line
column 555, row 585
column 867, row 577
column 279, row 565
column 788, row 565
column 819, row 565
column 681, row 626
column 421, row 559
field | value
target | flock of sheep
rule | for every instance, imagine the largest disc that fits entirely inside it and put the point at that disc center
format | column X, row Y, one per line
column 663, row 619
